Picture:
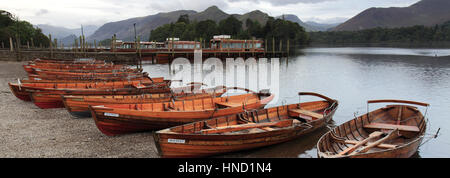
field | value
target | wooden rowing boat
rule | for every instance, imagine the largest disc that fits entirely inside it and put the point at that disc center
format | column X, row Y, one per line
column 78, row 106
column 53, row 98
column 394, row 131
column 23, row 90
column 32, row 68
column 73, row 64
column 88, row 77
column 247, row 130
column 67, row 61
column 117, row 119
column 40, row 80
column 87, row 74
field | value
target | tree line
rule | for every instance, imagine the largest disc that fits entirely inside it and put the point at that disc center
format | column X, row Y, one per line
column 418, row 34
column 20, row 31
column 274, row 29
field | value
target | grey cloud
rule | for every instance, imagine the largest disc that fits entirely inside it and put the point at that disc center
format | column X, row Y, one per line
column 197, row 5
column 284, row 2
column 41, row 12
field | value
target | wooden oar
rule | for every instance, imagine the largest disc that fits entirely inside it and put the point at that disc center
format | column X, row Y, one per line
column 354, row 142
column 393, row 134
column 354, row 147
column 283, row 123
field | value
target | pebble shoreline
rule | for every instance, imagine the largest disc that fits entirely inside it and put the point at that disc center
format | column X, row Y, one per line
column 29, row 132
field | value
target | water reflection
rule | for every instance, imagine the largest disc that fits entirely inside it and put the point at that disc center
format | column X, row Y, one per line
column 355, row 75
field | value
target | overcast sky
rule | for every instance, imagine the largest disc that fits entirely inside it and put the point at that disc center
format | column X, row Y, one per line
column 73, row 13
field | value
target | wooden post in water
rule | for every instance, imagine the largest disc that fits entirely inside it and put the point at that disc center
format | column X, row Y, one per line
column 56, row 43
column 287, row 55
column 253, row 46
column 84, row 46
column 168, row 45
column 3, row 45
column 81, row 44
column 281, row 45
column 113, row 44
column 95, row 45
column 195, row 43
column 287, row 48
column 138, row 53
column 51, row 45
column 75, row 45
column 173, row 49
column 273, row 45
column 265, row 47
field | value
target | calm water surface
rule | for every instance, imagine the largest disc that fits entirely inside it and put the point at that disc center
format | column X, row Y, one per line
column 355, row 75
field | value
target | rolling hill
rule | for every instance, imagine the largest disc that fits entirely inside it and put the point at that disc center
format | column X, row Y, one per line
column 424, row 12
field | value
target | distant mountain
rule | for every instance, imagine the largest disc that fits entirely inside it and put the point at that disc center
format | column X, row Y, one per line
column 68, row 40
column 424, row 12
column 124, row 29
column 211, row 13
column 257, row 15
column 309, row 26
column 322, row 26
column 61, row 32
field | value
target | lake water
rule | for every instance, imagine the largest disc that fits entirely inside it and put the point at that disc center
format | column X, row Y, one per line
column 355, row 75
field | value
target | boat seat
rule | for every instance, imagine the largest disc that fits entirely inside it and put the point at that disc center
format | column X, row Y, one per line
column 383, row 145
column 298, row 112
column 409, row 128
column 267, row 128
column 227, row 104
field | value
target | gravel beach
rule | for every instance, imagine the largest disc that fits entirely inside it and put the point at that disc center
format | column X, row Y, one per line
column 29, row 132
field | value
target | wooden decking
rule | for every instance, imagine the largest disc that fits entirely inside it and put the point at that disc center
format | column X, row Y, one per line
column 306, row 112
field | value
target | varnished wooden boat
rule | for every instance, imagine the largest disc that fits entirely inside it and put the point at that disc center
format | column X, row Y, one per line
column 394, row 131
column 73, row 64
column 40, row 80
column 32, row 68
column 82, row 70
column 245, row 130
column 87, row 77
column 78, row 106
column 53, row 98
column 23, row 90
column 87, row 74
column 67, row 61
column 118, row 119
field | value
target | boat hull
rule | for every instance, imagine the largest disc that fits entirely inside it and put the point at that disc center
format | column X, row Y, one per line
column 80, row 104
column 118, row 119
column 19, row 93
column 198, row 145
column 407, row 122
column 126, row 123
column 49, row 105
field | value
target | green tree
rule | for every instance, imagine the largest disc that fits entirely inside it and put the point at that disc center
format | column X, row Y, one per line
column 11, row 27
column 183, row 18
column 230, row 26
column 206, row 29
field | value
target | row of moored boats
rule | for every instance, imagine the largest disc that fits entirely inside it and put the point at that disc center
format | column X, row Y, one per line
column 193, row 121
